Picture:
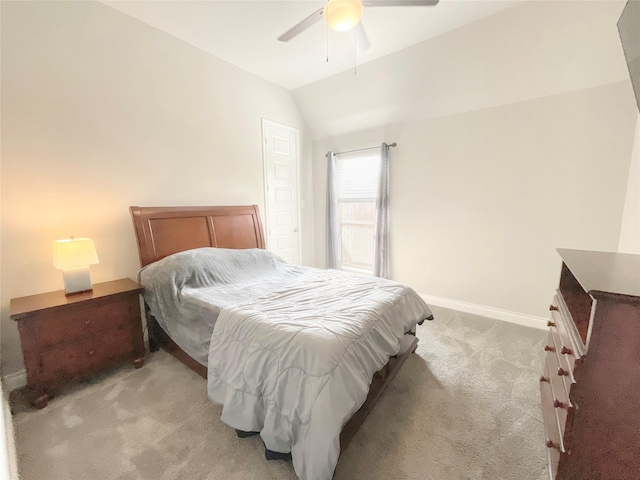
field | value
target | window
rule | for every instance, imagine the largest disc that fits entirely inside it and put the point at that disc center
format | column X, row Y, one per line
column 358, row 210
column 357, row 187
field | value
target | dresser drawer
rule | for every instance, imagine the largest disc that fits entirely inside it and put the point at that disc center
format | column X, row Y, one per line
column 560, row 365
column 566, row 326
column 553, row 460
column 560, row 324
column 564, row 351
column 75, row 359
column 551, row 425
column 559, row 397
column 54, row 329
column 558, row 376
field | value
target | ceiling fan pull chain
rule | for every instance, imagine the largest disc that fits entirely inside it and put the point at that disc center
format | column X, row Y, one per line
column 327, row 42
column 355, row 54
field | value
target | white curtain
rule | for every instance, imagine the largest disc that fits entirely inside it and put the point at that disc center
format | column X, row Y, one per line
column 333, row 226
column 381, row 226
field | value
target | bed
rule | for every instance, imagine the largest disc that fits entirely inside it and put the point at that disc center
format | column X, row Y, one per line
column 293, row 407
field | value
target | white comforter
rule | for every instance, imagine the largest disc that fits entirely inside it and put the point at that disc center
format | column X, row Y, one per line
column 297, row 363
column 293, row 349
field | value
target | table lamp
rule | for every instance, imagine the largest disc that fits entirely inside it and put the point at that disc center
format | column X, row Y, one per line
column 73, row 256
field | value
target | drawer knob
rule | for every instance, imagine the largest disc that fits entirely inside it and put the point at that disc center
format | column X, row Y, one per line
column 544, row 379
column 548, row 348
column 87, row 322
column 562, row 372
column 91, row 352
column 553, row 308
column 552, row 444
column 566, row 351
column 551, row 324
column 558, row 404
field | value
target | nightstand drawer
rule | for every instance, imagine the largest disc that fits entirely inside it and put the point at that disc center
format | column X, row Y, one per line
column 84, row 356
column 58, row 328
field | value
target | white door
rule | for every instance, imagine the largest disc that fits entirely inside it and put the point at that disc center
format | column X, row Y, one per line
column 280, row 152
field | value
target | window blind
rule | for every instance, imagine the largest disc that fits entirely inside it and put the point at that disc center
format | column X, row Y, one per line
column 358, row 175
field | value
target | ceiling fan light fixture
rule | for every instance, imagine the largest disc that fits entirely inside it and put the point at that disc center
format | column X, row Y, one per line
column 342, row 15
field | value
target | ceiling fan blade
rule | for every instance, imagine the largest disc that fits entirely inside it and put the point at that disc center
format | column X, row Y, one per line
column 399, row 3
column 358, row 36
column 312, row 19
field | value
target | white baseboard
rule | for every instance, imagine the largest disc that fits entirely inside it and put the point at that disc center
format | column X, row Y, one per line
column 491, row 312
column 15, row 380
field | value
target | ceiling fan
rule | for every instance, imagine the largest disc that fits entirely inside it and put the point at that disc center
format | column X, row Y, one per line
column 344, row 16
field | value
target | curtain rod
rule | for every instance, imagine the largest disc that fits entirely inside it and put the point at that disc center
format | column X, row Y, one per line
column 362, row 149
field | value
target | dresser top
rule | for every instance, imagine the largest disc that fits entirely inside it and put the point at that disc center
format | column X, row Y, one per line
column 617, row 273
column 24, row 305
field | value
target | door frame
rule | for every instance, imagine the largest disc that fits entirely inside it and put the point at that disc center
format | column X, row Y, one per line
column 296, row 132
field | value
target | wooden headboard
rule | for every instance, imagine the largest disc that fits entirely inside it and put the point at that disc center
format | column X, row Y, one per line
column 162, row 231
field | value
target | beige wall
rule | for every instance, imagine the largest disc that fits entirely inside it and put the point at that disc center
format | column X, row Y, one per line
column 514, row 136
column 100, row 112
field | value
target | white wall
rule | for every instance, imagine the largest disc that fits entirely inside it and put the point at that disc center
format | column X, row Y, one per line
column 8, row 461
column 514, row 136
column 630, row 230
column 100, row 112
column 530, row 51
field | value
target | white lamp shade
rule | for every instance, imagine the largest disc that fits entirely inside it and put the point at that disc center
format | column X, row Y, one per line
column 342, row 15
column 73, row 253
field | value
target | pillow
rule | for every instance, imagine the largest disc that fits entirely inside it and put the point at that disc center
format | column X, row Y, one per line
column 207, row 267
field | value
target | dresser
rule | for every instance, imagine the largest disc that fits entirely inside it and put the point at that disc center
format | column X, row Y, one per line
column 67, row 338
column 590, row 385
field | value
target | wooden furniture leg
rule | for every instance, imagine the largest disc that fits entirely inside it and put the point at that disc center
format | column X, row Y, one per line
column 42, row 400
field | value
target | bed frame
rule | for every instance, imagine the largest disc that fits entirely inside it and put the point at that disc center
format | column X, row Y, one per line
column 162, row 231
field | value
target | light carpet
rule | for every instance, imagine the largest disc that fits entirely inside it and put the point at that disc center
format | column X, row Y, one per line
column 466, row 406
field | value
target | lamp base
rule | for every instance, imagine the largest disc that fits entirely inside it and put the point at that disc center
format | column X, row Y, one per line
column 77, row 280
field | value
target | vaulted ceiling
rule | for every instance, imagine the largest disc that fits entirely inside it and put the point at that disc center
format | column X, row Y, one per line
column 245, row 33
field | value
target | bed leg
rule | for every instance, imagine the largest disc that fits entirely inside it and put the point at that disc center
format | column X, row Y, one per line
column 152, row 329
column 429, row 318
column 271, row 455
column 413, row 332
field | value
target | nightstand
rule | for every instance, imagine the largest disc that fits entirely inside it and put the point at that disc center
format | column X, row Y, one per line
column 65, row 339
